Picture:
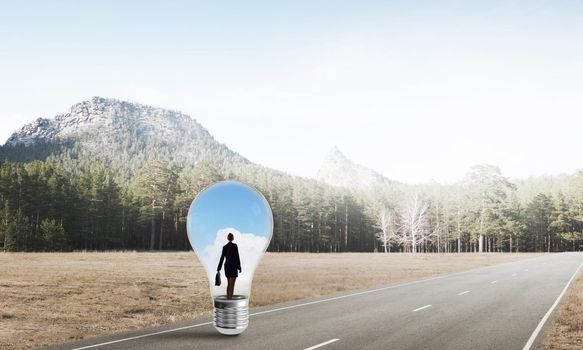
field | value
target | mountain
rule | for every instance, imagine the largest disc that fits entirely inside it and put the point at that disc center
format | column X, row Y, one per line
column 338, row 170
column 108, row 118
column 124, row 136
column 158, row 160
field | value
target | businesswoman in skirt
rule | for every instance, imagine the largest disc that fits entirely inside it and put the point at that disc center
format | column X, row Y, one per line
column 230, row 255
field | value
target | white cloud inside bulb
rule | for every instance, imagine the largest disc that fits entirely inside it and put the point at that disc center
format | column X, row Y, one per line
column 251, row 248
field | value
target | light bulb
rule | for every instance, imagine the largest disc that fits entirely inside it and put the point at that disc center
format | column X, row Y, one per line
column 225, row 208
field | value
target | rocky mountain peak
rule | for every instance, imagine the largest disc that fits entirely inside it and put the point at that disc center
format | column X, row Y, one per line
column 106, row 116
column 338, row 170
column 125, row 136
column 335, row 154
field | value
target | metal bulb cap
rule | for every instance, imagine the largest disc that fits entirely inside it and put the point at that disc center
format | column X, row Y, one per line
column 231, row 316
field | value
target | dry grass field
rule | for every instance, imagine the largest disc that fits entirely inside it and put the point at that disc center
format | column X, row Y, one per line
column 47, row 298
column 566, row 330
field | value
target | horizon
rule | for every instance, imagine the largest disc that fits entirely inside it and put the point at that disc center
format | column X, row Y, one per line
column 414, row 91
column 327, row 152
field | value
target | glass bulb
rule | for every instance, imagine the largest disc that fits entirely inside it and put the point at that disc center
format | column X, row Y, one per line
column 224, row 208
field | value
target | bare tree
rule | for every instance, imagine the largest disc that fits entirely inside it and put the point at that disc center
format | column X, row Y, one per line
column 435, row 236
column 413, row 221
column 384, row 222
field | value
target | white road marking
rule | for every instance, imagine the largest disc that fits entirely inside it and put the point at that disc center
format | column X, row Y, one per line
column 496, row 281
column 462, row 293
column 322, row 344
column 513, row 274
column 548, row 314
column 421, row 308
column 308, row 303
column 525, row 269
column 366, row 292
column 142, row 336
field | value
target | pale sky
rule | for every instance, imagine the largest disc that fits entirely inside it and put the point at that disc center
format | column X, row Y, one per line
column 416, row 90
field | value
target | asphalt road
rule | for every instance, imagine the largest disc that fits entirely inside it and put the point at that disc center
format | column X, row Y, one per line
column 497, row 307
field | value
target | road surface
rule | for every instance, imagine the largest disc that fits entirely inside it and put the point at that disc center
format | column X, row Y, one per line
column 503, row 306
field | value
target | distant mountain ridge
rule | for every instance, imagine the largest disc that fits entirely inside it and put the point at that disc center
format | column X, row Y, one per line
column 109, row 117
column 121, row 175
column 338, row 170
column 126, row 135
column 122, row 134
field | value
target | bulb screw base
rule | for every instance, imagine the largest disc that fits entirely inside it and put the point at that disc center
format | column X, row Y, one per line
column 231, row 316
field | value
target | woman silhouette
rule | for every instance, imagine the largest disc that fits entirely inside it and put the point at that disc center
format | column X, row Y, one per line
column 232, row 264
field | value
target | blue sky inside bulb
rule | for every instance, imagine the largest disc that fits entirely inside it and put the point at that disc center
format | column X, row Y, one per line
column 230, row 207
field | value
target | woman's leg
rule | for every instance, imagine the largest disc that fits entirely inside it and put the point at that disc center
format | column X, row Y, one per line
column 229, row 296
column 230, row 287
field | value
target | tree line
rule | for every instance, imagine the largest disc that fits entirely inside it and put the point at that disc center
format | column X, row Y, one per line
column 485, row 212
column 58, row 205
column 54, row 206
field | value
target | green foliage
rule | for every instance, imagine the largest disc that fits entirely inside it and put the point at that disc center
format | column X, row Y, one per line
column 156, row 187
column 69, row 203
column 53, row 236
column 486, row 190
column 192, row 181
column 18, row 234
column 540, row 211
